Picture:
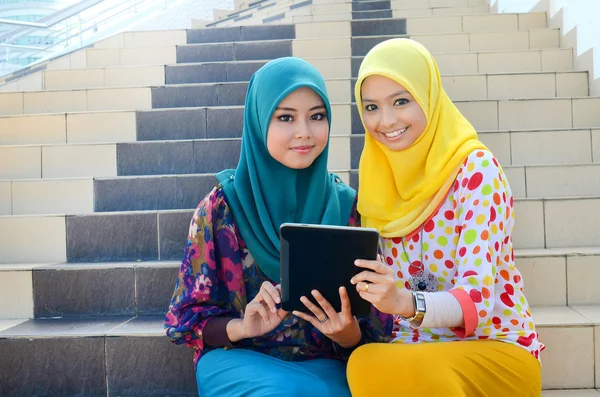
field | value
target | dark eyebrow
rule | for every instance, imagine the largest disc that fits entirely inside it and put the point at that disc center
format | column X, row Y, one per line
column 397, row 93
column 294, row 110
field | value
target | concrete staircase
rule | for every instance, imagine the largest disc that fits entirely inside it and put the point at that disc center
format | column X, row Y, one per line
column 105, row 153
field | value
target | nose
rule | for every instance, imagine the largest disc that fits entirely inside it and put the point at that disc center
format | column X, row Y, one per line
column 389, row 118
column 302, row 130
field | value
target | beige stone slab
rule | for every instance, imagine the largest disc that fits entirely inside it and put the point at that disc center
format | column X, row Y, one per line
column 120, row 99
column 55, row 101
column 116, row 41
column 482, row 114
column 409, row 4
column 302, row 19
column 339, row 8
column 101, row 127
column 155, row 38
column 529, row 224
column 97, row 58
column 333, row 68
column 28, row 130
column 568, row 358
column 499, row 144
column 18, row 162
column 510, row 62
column 518, row 86
column 558, row 317
column 14, row 86
column 563, row 181
column 461, row 88
column 5, row 198
column 339, row 90
column 503, row 41
column 490, row 23
column 313, row 48
column 6, row 324
column 571, row 393
column 516, row 178
column 444, row 43
column 545, row 280
column 551, row 147
column 16, row 294
column 148, row 56
column 341, row 122
column 31, row 239
column 323, row 30
column 596, row 146
column 557, row 60
column 131, row 77
column 535, row 114
column 582, row 275
column 544, row 38
column 332, row 17
column 457, row 63
column 339, row 153
column 33, row 82
column 445, row 24
column 417, row 13
column 61, row 196
column 448, row 3
column 533, row 20
column 454, row 11
column 586, row 112
column 73, row 161
column 60, row 63
column 572, row 84
column 572, row 223
column 73, row 79
column 11, row 103
column 78, row 60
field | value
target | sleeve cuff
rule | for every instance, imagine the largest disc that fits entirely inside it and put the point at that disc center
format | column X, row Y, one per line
column 215, row 332
column 469, row 313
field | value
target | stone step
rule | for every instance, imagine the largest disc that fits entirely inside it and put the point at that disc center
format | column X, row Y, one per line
column 571, row 393
column 152, row 156
column 459, row 87
column 172, row 175
column 107, row 236
column 553, row 277
column 527, row 61
column 113, row 356
column 113, row 351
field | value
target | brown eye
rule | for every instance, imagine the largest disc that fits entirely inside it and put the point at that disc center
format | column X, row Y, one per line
column 401, row 101
column 318, row 117
column 370, row 108
column 286, row 118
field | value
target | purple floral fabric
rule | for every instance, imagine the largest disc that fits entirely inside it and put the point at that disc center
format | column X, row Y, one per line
column 218, row 277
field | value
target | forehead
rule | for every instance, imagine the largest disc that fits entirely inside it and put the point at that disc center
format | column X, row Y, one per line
column 302, row 94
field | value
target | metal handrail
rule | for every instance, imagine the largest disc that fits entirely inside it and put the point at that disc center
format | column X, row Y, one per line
column 60, row 39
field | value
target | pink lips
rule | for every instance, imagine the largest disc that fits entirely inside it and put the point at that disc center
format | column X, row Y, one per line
column 302, row 149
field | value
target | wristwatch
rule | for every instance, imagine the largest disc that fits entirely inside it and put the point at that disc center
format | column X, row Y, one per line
column 420, row 310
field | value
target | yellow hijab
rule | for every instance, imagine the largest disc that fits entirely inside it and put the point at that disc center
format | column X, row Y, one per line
column 400, row 190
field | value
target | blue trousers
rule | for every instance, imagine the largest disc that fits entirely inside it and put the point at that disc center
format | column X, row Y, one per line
column 240, row 372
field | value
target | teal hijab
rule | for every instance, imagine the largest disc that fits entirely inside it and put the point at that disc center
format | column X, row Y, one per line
column 263, row 193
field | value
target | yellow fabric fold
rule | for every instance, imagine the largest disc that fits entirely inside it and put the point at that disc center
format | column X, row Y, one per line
column 400, row 190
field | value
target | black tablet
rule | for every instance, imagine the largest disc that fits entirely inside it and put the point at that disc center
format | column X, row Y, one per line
column 322, row 257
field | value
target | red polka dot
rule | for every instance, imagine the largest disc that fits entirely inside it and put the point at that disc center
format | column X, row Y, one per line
column 495, row 161
column 475, row 181
column 470, row 273
column 462, row 252
column 475, row 295
column 389, row 260
column 465, row 182
column 416, row 238
column 505, row 298
column 511, row 201
column 469, row 215
column 449, row 215
column 449, row 264
column 396, row 240
column 509, row 289
column 517, row 279
column 492, row 214
column 488, row 257
column 429, row 226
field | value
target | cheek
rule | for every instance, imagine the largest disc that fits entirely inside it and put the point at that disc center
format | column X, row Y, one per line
column 322, row 134
column 370, row 120
column 275, row 140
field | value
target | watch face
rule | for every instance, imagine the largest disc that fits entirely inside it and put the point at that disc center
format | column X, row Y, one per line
column 420, row 303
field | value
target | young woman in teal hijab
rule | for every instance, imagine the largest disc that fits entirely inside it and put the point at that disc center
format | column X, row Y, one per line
column 226, row 304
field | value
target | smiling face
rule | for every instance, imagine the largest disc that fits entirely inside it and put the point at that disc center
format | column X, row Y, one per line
column 298, row 131
column 390, row 113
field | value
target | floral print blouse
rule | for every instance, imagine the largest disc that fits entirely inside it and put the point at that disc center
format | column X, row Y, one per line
column 218, row 278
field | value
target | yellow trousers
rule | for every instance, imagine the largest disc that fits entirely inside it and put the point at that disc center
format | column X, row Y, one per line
column 444, row 369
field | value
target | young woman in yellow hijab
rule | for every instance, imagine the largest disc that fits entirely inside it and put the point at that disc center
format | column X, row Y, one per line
column 444, row 209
